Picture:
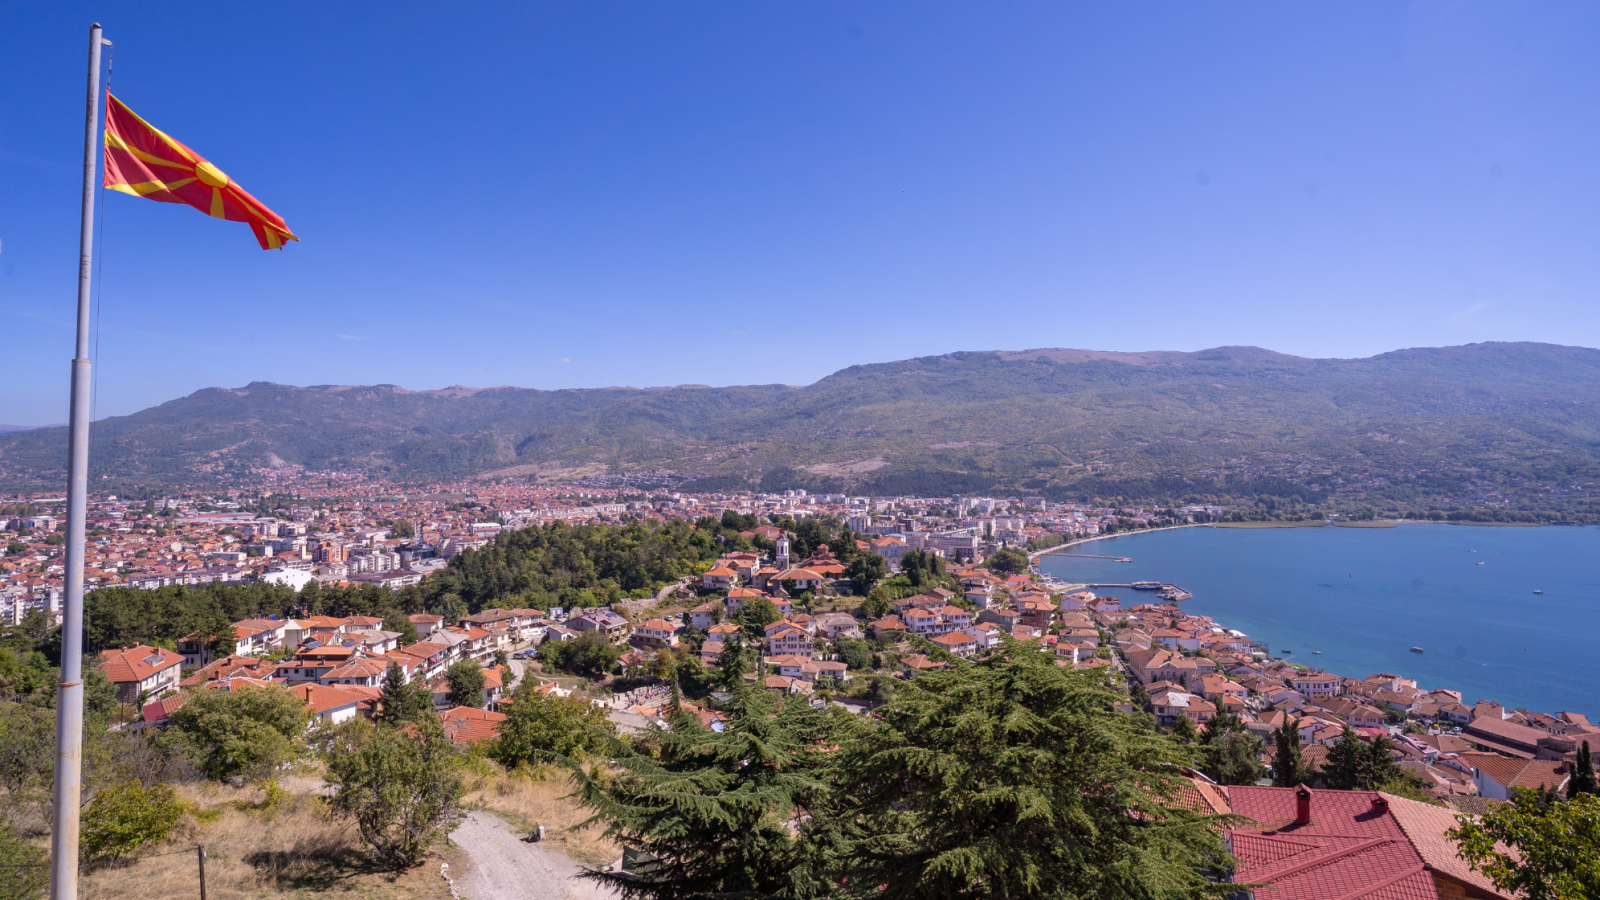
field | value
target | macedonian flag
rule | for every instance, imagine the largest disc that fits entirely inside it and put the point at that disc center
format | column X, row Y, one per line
column 144, row 162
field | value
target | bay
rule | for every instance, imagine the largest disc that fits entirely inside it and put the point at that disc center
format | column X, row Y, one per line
column 1365, row 596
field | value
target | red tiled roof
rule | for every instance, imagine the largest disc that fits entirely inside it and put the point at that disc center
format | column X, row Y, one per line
column 157, row 712
column 137, row 663
column 321, row 699
column 466, row 725
column 1352, row 847
column 1522, row 773
column 1425, row 825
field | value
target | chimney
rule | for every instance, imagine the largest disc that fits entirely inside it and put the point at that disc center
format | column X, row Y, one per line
column 1379, row 805
column 1302, row 805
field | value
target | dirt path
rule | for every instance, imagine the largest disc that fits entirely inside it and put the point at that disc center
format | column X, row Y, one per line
column 504, row 867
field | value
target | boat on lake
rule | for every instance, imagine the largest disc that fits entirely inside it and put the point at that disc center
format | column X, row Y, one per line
column 1416, row 649
column 1146, row 585
column 1538, row 592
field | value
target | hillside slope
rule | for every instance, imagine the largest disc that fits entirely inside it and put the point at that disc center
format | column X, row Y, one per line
column 1051, row 420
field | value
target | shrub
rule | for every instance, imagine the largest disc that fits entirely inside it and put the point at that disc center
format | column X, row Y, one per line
column 124, row 817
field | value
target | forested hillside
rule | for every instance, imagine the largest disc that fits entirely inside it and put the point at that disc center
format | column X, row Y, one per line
column 1458, row 422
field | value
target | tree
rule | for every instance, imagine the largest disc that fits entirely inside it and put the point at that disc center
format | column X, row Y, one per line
column 1582, row 780
column 402, row 700
column 879, row 603
column 1011, row 777
column 243, row 734
column 591, row 654
column 25, row 866
column 1556, row 846
column 1289, row 766
column 1183, row 730
column 918, row 567
column 715, row 808
column 854, row 653
column 1229, row 751
column 864, row 571
column 403, row 787
column 1008, row 561
column 1353, row 765
column 124, row 817
column 755, row 614
column 502, row 660
column 467, row 684
column 401, row 624
column 27, row 746
column 541, row 728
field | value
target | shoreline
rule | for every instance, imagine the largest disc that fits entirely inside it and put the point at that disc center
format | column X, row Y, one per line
column 1033, row 555
column 1493, row 692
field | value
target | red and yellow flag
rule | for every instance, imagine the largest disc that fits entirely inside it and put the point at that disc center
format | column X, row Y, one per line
column 144, row 162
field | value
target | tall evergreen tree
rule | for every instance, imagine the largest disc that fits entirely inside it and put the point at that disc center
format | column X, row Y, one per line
column 1011, row 777
column 717, row 809
column 1229, row 751
column 1582, row 780
column 402, row 700
column 467, row 684
column 1289, row 766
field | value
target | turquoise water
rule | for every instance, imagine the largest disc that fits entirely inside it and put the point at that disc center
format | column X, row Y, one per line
column 1365, row 596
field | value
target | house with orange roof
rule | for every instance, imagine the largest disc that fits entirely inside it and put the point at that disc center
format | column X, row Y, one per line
column 465, row 725
column 141, row 671
column 958, row 643
column 1496, row 776
column 800, row 579
column 916, row 663
column 330, row 706
column 368, row 671
column 788, row 638
column 890, row 624
column 718, row 578
column 654, row 633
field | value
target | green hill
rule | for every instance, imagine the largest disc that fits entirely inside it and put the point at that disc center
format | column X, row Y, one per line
column 1517, row 420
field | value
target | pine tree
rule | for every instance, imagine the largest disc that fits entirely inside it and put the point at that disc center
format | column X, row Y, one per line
column 1183, row 730
column 1011, row 777
column 1229, row 751
column 1345, row 768
column 1289, row 766
column 1582, row 780
column 402, row 701
column 716, row 808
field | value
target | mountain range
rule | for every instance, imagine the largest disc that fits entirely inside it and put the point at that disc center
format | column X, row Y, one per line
column 1511, row 419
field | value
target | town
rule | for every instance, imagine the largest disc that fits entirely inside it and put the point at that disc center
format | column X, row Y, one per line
column 908, row 586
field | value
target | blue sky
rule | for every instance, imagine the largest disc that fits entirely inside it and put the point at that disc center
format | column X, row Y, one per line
column 586, row 194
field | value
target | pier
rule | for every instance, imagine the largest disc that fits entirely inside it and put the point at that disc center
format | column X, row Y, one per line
column 1164, row 591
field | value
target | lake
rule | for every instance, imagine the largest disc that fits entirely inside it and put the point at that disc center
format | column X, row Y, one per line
column 1365, row 596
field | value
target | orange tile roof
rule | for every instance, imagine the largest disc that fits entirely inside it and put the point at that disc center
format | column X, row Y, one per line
column 1425, row 825
column 466, row 725
column 137, row 663
column 322, row 699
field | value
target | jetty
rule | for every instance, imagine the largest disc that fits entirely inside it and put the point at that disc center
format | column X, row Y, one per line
column 1164, row 590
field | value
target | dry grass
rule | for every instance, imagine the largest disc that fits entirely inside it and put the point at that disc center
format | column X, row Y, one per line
column 291, row 848
column 526, row 796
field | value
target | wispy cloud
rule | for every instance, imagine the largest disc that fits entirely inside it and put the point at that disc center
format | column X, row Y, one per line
column 564, row 359
column 1467, row 316
column 351, row 337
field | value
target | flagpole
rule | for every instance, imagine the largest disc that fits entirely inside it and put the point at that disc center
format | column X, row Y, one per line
column 69, row 693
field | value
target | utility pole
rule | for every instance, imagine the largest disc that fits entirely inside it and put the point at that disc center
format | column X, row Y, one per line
column 69, row 693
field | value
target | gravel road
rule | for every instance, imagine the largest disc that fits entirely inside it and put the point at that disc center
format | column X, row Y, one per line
column 504, row 867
